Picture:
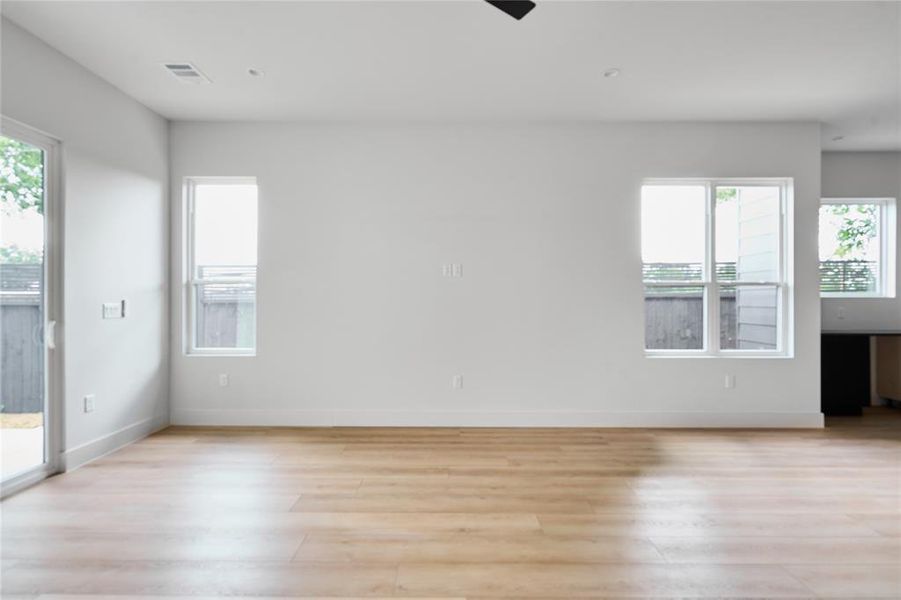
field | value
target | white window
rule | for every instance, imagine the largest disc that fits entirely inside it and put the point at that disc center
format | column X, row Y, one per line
column 857, row 247
column 221, row 265
column 714, row 267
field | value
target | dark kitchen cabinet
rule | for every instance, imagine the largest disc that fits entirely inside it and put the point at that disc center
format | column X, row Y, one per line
column 845, row 373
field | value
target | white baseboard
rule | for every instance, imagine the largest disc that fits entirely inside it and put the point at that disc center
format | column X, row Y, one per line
column 392, row 418
column 84, row 453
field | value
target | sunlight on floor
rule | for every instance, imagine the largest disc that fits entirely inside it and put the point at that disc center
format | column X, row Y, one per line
column 21, row 443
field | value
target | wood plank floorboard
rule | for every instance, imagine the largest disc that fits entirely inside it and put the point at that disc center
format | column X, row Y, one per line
column 455, row 513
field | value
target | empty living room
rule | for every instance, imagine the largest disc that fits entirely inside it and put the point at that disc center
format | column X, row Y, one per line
column 450, row 299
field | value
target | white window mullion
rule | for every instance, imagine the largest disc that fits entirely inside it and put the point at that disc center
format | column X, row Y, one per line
column 712, row 302
column 191, row 308
column 782, row 289
column 188, row 266
column 880, row 257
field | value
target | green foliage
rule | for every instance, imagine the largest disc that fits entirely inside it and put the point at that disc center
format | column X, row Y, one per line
column 726, row 194
column 15, row 255
column 857, row 229
column 21, row 176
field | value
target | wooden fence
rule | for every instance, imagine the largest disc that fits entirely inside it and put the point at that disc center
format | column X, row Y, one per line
column 673, row 319
column 676, row 322
column 22, row 349
column 225, row 311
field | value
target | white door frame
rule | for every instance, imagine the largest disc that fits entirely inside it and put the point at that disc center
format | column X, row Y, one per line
column 53, row 305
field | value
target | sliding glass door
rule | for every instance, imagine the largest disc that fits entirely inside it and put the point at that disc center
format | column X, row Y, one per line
column 28, row 433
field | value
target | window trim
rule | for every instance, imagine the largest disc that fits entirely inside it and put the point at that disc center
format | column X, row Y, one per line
column 711, row 285
column 192, row 282
column 887, row 246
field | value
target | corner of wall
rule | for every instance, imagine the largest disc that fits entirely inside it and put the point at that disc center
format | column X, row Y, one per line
column 73, row 458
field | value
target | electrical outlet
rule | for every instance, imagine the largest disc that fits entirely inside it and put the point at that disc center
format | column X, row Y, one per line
column 89, row 403
column 730, row 382
column 457, row 382
column 223, row 379
column 841, row 312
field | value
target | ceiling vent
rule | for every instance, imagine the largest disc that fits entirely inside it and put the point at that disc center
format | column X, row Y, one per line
column 186, row 72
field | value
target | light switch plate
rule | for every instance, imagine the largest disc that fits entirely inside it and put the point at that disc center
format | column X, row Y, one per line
column 89, row 404
column 114, row 310
column 453, row 270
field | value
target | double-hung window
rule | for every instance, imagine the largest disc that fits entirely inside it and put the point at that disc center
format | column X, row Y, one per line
column 221, row 265
column 857, row 247
column 714, row 267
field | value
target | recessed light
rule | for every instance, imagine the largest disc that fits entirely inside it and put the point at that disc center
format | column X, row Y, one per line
column 838, row 138
column 611, row 73
column 255, row 72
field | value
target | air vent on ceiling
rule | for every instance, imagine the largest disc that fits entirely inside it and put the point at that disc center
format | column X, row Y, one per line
column 186, row 72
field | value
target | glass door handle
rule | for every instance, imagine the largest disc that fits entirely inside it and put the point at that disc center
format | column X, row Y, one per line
column 50, row 337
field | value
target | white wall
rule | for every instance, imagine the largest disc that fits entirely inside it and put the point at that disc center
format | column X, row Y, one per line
column 864, row 175
column 356, row 325
column 116, row 235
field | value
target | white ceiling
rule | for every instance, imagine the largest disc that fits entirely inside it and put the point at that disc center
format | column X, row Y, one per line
column 835, row 62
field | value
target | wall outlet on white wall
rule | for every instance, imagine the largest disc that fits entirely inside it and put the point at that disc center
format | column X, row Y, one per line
column 457, row 382
column 89, row 403
column 730, row 382
column 223, row 379
column 840, row 313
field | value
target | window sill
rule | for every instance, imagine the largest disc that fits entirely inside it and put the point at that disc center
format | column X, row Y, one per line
column 726, row 355
column 221, row 354
column 854, row 296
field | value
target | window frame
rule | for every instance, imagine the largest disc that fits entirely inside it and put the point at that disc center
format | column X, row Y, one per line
column 53, row 305
column 711, row 297
column 887, row 245
column 193, row 282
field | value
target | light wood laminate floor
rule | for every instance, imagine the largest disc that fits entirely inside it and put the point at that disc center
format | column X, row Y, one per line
column 470, row 513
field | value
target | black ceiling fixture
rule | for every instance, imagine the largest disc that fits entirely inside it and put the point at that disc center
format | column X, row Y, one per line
column 515, row 8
